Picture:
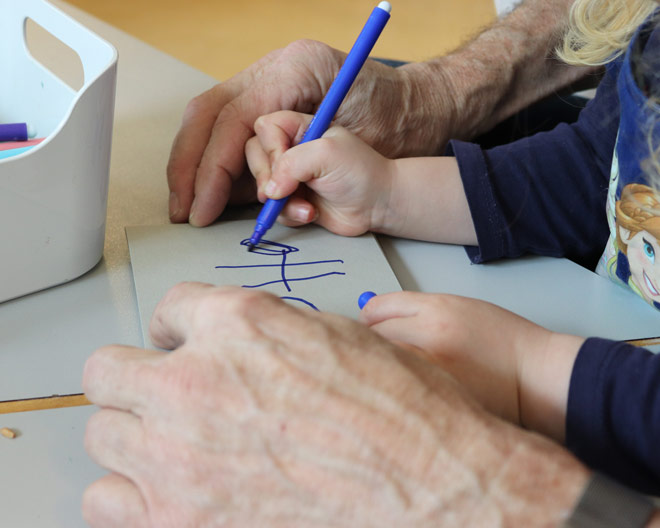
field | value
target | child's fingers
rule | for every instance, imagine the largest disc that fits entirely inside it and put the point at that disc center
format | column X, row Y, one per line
column 391, row 306
column 276, row 133
column 404, row 331
column 297, row 212
column 305, row 162
column 279, row 131
column 258, row 163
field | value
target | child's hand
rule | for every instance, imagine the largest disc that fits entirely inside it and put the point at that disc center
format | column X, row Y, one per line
column 350, row 188
column 515, row 368
column 347, row 182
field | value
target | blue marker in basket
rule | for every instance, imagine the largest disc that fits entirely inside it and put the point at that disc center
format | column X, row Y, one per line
column 365, row 298
column 16, row 132
column 326, row 112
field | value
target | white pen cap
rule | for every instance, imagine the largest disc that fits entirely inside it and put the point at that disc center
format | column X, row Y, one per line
column 385, row 6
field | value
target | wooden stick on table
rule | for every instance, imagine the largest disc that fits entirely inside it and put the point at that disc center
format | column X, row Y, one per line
column 73, row 400
column 47, row 402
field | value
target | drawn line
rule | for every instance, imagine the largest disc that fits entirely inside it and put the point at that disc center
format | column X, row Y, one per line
column 302, row 301
column 278, row 265
column 283, row 272
column 293, row 280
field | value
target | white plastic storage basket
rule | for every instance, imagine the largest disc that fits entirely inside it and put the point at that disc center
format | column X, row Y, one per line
column 53, row 197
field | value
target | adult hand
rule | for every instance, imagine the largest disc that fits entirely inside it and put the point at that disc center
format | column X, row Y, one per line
column 516, row 369
column 265, row 415
column 347, row 183
column 387, row 107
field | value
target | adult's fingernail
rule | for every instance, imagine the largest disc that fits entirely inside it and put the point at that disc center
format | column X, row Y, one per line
column 192, row 218
column 174, row 205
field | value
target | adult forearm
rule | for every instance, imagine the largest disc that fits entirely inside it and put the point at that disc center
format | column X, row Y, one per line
column 503, row 69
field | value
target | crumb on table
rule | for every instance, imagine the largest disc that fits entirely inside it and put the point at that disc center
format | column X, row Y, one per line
column 7, row 433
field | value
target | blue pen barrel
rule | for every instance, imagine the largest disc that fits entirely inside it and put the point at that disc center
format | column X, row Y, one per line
column 269, row 213
column 330, row 104
column 347, row 74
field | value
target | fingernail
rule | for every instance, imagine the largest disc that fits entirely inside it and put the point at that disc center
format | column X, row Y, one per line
column 270, row 189
column 300, row 214
column 192, row 218
column 174, row 205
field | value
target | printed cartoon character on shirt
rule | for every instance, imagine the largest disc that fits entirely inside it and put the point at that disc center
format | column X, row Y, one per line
column 637, row 259
column 631, row 256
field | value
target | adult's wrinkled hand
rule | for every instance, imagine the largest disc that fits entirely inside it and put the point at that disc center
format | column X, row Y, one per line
column 387, row 107
column 266, row 415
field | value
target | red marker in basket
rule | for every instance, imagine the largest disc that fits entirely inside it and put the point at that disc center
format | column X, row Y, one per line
column 10, row 145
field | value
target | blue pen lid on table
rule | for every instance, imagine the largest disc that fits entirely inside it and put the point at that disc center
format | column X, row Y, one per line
column 365, row 298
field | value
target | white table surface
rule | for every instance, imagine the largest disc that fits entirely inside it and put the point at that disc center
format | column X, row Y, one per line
column 46, row 337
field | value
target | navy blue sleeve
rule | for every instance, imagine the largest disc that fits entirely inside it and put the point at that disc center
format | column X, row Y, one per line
column 545, row 194
column 613, row 414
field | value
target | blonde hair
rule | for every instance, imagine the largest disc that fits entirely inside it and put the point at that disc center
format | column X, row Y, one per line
column 600, row 30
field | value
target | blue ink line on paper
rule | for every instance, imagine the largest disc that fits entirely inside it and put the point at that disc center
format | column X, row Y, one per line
column 302, row 301
column 280, row 265
column 286, row 281
column 283, row 271
column 275, row 249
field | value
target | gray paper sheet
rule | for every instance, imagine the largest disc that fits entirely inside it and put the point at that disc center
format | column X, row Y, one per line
column 308, row 267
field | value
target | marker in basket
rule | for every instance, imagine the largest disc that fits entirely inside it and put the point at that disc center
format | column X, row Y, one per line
column 328, row 108
column 16, row 132
column 9, row 145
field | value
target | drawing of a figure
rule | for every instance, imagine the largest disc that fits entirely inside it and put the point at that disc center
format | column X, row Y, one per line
column 281, row 251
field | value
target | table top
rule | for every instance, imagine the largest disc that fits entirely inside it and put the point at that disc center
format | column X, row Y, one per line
column 46, row 337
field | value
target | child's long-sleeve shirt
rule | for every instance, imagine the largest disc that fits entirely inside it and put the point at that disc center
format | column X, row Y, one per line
column 580, row 191
column 613, row 416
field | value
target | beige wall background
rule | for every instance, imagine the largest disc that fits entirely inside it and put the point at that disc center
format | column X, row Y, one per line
column 221, row 37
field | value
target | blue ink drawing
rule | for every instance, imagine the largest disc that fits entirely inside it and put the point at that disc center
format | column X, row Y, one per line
column 275, row 249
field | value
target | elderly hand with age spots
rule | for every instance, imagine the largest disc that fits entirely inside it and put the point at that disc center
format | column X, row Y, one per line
column 265, row 415
column 207, row 169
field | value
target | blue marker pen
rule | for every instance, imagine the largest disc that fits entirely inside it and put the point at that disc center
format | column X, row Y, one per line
column 365, row 298
column 326, row 112
column 15, row 132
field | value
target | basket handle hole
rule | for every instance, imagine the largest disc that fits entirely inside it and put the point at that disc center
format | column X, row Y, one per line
column 58, row 58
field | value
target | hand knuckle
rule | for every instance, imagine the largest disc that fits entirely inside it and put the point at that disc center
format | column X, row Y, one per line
column 93, row 367
column 301, row 47
column 195, row 106
column 94, row 430
column 91, row 499
column 227, row 301
column 329, row 147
